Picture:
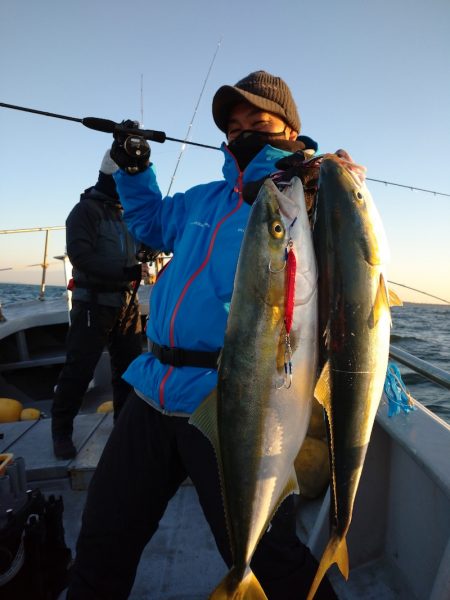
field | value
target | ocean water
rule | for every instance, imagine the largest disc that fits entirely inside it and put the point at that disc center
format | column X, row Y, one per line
column 420, row 329
column 10, row 293
column 424, row 330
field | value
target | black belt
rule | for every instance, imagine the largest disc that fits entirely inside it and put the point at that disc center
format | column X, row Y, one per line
column 103, row 288
column 177, row 357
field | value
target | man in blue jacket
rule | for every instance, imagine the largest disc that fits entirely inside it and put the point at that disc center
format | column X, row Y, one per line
column 153, row 448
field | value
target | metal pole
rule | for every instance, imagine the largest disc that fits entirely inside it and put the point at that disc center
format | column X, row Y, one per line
column 44, row 267
column 67, row 276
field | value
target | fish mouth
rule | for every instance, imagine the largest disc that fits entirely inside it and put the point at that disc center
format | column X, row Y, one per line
column 287, row 207
column 337, row 166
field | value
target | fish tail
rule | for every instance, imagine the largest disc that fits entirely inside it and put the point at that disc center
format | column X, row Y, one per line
column 248, row 588
column 335, row 552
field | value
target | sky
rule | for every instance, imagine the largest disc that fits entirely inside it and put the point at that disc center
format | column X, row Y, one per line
column 370, row 77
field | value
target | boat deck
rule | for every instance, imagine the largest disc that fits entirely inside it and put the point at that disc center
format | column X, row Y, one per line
column 183, row 546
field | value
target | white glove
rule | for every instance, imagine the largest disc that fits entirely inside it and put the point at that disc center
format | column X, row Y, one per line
column 108, row 166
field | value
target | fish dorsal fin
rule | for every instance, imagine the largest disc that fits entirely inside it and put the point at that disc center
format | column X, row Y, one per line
column 322, row 391
column 394, row 299
column 205, row 419
column 381, row 302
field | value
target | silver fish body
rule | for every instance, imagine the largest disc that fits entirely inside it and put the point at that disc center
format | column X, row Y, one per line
column 257, row 421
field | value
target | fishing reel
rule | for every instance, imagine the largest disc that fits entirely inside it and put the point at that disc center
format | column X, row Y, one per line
column 130, row 149
column 136, row 146
column 145, row 254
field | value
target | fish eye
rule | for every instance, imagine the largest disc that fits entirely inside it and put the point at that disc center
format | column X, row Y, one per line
column 277, row 229
column 358, row 197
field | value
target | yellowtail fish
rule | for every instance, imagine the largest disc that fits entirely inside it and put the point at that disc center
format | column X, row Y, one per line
column 258, row 417
column 354, row 325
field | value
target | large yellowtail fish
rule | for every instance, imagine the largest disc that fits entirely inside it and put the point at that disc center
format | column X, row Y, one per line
column 354, row 325
column 258, row 417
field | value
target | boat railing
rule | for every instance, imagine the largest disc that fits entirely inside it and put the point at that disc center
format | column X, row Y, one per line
column 158, row 262
column 422, row 367
column 44, row 264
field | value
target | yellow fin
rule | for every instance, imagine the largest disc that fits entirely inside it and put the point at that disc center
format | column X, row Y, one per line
column 291, row 487
column 205, row 419
column 335, row 552
column 322, row 391
column 247, row 589
column 381, row 302
column 394, row 299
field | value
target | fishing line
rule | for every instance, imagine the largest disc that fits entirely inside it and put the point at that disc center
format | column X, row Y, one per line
column 183, row 146
column 420, row 291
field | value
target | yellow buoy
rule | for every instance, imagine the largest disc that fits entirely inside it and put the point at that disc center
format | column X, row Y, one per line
column 9, row 410
column 312, row 467
column 105, row 407
column 30, row 414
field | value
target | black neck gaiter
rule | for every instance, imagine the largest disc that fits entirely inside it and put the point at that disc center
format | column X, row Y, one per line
column 248, row 143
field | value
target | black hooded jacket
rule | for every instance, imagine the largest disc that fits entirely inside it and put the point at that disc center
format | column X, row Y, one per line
column 100, row 249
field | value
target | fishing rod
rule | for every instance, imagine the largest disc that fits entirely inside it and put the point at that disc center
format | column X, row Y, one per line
column 134, row 147
column 408, row 187
column 108, row 126
column 185, row 141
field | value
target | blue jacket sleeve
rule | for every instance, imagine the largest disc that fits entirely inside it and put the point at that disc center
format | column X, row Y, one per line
column 151, row 219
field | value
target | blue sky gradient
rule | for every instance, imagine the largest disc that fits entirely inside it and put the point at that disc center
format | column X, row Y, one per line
column 370, row 77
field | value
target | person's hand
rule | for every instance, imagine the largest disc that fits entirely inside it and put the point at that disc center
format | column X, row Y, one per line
column 297, row 165
column 108, row 166
column 130, row 152
column 251, row 189
column 359, row 170
column 294, row 165
column 133, row 273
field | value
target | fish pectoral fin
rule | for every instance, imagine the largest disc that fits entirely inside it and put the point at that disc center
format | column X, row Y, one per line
column 322, row 391
column 394, row 299
column 205, row 419
column 335, row 552
column 230, row 589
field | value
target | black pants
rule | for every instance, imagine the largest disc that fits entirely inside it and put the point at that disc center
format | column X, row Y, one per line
column 147, row 457
column 94, row 326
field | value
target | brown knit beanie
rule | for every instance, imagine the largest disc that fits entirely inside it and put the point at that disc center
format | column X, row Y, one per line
column 261, row 89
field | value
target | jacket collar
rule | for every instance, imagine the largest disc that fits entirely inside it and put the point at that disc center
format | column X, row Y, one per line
column 94, row 194
column 262, row 164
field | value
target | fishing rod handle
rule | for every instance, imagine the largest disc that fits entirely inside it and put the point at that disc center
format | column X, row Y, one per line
column 108, row 126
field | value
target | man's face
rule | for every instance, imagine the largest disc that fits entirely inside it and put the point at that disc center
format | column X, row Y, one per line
column 244, row 117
